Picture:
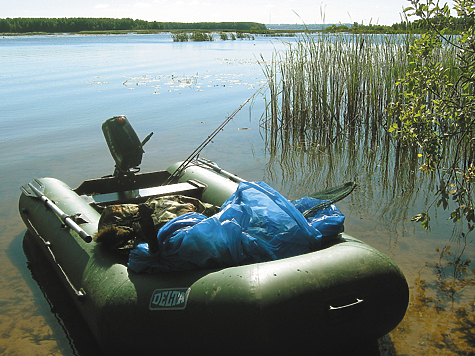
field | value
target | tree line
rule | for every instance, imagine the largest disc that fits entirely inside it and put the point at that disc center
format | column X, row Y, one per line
column 60, row 25
column 454, row 25
column 65, row 25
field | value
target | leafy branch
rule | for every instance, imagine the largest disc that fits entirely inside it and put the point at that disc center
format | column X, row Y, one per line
column 436, row 112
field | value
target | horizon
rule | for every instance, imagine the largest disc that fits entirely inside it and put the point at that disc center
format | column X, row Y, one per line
column 118, row 18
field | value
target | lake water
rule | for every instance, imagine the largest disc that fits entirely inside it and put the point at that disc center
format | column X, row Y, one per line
column 56, row 91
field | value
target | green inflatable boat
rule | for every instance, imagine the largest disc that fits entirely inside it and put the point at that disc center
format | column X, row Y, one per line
column 344, row 293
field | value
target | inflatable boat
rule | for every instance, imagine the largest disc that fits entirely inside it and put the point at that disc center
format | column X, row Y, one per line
column 346, row 292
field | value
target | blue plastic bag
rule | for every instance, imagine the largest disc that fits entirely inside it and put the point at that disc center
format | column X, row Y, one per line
column 255, row 224
column 328, row 221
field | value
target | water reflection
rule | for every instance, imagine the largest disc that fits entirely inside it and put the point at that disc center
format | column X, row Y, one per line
column 73, row 334
column 386, row 170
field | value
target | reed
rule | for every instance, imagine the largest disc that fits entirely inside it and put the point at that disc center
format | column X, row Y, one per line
column 199, row 36
column 180, row 37
column 244, row 36
column 326, row 117
column 195, row 36
column 328, row 86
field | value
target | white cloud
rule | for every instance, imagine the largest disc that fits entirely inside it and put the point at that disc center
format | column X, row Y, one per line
column 142, row 5
column 101, row 6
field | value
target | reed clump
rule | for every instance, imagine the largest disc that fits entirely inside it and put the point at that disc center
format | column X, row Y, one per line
column 245, row 36
column 327, row 119
column 328, row 86
column 195, row 36
column 227, row 36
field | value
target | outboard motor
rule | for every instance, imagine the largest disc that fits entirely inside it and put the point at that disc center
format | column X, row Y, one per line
column 124, row 145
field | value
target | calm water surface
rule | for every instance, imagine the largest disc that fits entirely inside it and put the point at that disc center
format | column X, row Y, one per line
column 56, row 91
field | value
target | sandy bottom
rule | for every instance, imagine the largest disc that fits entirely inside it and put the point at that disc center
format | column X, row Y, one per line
column 440, row 318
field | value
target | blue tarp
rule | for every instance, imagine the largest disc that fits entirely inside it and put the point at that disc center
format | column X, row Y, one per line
column 255, row 224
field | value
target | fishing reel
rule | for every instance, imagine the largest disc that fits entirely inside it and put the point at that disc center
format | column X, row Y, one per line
column 125, row 146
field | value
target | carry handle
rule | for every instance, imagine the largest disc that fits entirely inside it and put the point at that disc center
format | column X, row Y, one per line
column 344, row 307
column 338, row 313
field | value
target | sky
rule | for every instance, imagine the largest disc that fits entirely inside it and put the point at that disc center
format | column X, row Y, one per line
column 382, row 12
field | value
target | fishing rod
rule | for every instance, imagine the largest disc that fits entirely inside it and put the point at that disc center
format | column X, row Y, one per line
column 197, row 151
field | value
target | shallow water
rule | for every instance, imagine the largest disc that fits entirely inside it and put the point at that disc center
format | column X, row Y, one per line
column 57, row 90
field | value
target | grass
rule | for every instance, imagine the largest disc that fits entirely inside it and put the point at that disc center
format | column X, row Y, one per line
column 326, row 119
column 323, row 87
column 195, row 36
column 200, row 36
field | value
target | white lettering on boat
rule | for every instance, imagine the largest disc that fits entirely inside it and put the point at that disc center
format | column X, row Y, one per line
column 170, row 299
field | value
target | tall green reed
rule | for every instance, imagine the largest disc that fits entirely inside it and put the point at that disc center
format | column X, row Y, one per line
column 328, row 85
column 326, row 114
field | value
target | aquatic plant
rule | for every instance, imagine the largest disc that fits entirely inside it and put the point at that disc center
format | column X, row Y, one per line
column 324, row 85
column 244, row 36
column 199, row 36
column 327, row 102
column 180, row 37
column 195, row 36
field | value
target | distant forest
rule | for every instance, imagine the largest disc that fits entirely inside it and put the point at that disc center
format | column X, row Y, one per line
column 75, row 25
column 454, row 26
column 60, row 25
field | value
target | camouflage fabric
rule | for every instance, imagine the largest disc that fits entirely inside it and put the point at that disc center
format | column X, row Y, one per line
column 120, row 226
column 124, row 215
column 168, row 208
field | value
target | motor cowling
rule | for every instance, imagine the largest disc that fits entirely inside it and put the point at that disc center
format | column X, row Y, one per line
column 124, row 144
